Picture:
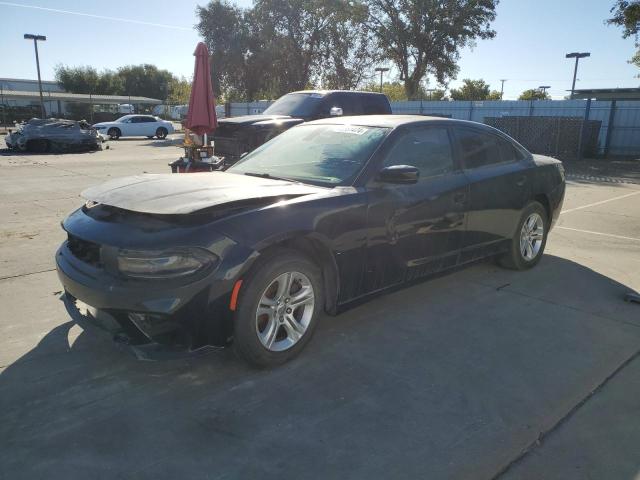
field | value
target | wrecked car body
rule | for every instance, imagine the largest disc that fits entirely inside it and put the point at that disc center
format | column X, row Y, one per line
column 54, row 135
column 174, row 265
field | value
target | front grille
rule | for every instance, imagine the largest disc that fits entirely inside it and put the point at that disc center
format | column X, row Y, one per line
column 84, row 250
column 227, row 146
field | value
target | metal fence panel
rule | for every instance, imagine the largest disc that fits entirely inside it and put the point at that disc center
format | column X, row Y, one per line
column 625, row 128
column 625, row 136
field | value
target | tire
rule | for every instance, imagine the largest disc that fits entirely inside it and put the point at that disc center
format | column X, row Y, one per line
column 266, row 331
column 114, row 133
column 533, row 226
column 162, row 133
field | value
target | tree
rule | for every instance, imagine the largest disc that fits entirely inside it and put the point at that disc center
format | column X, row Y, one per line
column 135, row 80
column 534, row 94
column 276, row 47
column 179, row 91
column 145, row 81
column 226, row 30
column 396, row 93
column 474, row 90
column 88, row 80
column 425, row 36
column 626, row 14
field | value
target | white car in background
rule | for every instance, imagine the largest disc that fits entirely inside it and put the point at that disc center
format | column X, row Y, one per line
column 135, row 126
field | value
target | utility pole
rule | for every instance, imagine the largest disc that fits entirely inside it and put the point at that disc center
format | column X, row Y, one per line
column 35, row 38
column 577, row 56
column 544, row 88
column 381, row 70
column 4, row 108
column 502, row 87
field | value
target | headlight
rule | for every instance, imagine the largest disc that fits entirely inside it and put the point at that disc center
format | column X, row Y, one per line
column 99, row 127
column 164, row 264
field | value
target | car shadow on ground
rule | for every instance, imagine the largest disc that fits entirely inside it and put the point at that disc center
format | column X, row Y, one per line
column 454, row 376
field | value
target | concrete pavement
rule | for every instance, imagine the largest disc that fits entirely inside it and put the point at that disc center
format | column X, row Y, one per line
column 484, row 373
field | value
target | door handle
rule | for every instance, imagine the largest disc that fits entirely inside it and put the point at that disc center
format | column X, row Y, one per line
column 459, row 197
column 521, row 181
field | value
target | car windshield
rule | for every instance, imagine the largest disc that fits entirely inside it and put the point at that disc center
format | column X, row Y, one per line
column 295, row 105
column 316, row 154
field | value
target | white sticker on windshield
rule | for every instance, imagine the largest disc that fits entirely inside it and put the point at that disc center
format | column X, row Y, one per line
column 350, row 129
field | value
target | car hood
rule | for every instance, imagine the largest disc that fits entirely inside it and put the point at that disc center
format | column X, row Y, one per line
column 170, row 194
column 249, row 120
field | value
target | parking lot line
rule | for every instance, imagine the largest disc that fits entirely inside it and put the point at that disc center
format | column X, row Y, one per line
column 600, row 203
column 600, row 233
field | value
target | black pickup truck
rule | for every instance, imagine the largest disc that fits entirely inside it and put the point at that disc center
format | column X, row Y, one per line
column 238, row 135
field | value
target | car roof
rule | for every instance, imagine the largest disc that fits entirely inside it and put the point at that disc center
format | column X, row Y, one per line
column 327, row 92
column 392, row 121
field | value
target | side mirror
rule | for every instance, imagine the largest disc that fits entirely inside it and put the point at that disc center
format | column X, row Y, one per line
column 335, row 112
column 399, row 174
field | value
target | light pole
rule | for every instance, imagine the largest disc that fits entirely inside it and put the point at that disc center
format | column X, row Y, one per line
column 502, row 87
column 35, row 38
column 543, row 89
column 381, row 70
column 577, row 56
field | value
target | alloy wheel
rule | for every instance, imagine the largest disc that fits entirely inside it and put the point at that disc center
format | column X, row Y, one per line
column 285, row 311
column 531, row 236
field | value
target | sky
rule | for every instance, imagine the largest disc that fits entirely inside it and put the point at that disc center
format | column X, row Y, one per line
column 529, row 49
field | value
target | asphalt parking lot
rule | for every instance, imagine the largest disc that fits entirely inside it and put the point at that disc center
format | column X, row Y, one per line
column 480, row 374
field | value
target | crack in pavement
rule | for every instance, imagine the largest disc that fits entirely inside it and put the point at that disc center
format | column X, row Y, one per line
column 26, row 274
column 542, row 436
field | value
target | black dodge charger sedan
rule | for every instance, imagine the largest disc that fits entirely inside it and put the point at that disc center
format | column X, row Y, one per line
column 329, row 212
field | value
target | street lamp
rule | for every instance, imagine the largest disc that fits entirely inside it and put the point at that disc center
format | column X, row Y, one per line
column 381, row 70
column 35, row 38
column 577, row 56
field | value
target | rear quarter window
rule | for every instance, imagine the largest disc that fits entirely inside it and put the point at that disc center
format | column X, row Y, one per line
column 477, row 148
column 375, row 105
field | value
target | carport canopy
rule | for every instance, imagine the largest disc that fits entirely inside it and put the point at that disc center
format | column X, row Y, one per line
column 78, row 97
column 608, row 94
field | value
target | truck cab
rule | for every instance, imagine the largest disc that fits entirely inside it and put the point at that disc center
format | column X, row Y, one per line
column 236, row 136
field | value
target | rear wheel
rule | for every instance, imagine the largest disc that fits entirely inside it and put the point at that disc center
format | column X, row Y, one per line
column 161, row 133
column 278, row 307
column 114, row 133
column 527, row 245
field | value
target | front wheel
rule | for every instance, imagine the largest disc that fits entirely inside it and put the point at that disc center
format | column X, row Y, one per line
column 277, row 309
column 114, row 133
column 527, row 245
column 161, row 133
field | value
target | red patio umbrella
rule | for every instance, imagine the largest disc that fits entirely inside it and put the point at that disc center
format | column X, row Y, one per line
column 201, row 117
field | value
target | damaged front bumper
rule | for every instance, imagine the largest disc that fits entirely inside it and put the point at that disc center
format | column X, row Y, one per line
column 154, row 321
column 130, row 335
